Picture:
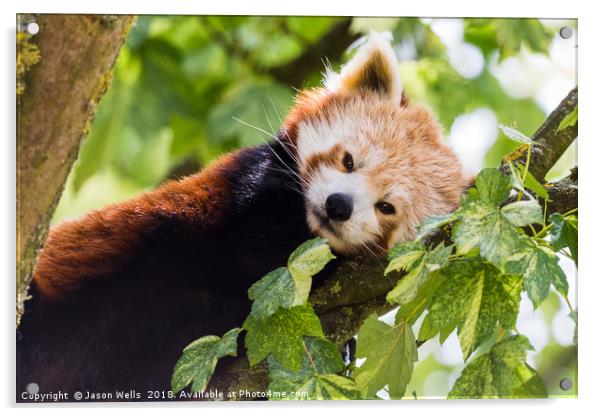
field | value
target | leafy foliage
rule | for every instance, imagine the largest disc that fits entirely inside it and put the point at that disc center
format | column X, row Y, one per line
column 574, row 316
column 502, row 372
column 539, row 265
column 417, row 287
column 390, row 353
column 275, row 289
column 279, row 315
column 281, row 334
column 474, row 297
column 483, row 225
column 564, row 233
column 197, row 363
column 317, row 378
column 286, row 330
column 507, row 37
column 283, row 328
column 420, row 264
column 530, row 182
column 432, row 223
column 474, row 286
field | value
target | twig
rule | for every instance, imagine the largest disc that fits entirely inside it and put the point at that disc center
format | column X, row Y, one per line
column 550, row 144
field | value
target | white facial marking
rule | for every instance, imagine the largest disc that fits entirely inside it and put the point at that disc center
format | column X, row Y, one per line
column 362, row 226
column 317, row 138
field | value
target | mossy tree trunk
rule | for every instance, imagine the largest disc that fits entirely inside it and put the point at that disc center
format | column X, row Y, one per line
column 54, row 113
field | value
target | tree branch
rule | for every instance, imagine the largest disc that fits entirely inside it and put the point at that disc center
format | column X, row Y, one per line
column 78, row 53
column 332, row 44
column 357, row 286
column 550, row 144
column 293, row 73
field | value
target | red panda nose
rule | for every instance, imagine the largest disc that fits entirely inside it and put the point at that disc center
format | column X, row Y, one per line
column 339, row 206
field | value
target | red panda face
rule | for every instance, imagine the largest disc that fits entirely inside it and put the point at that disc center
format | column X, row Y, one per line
column 372, row 166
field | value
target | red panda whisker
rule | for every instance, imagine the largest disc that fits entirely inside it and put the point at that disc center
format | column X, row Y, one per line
column 366, row 247
column 268, row 120
column 276, row 109
column 284, row 145
column 267, row 143
column 290, row 172
column 272, row 136
column 267, row 133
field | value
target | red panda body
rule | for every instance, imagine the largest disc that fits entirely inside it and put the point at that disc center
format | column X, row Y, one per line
column 122, row 321
column 118, row 294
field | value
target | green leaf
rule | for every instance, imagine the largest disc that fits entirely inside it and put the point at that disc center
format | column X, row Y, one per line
column 408, row 286
column 430, row 224
column 325, row 359
column 527, row 383
column 390, row 355
column 472, row 195
column 564, row 233
column 290, row 286
column 493, row 187
column 569, row 120
column 507, row 35
column 515, row 135
column 275, row 289
column 315, row 387
column 316, row 379
column 281, row 334
column 483, row 226
column 404, row 261
column 474, row 297
column 522, row 213
column 502, row 372
column 198, row 361
column 540, row 268
column 404, row 248
column 532, row 183
column 409, row 312
column 306, row 261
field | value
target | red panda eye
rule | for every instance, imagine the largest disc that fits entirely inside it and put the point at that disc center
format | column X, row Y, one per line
column 385, row 208
column 348, row 162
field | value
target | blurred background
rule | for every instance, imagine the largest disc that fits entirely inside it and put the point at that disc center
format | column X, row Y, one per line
column 180, row 82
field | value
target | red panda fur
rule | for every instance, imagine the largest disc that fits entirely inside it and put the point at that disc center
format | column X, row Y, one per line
column 95, row 245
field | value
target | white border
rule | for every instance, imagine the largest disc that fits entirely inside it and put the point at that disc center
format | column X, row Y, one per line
column 590, row 290
column 423, row 8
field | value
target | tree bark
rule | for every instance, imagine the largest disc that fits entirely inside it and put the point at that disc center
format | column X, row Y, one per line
column 54, row 114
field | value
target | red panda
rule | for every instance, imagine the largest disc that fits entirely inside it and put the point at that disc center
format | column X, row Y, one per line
column 117, row 294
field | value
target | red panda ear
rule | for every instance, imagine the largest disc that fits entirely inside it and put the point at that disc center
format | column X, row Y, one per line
column 374, row 67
